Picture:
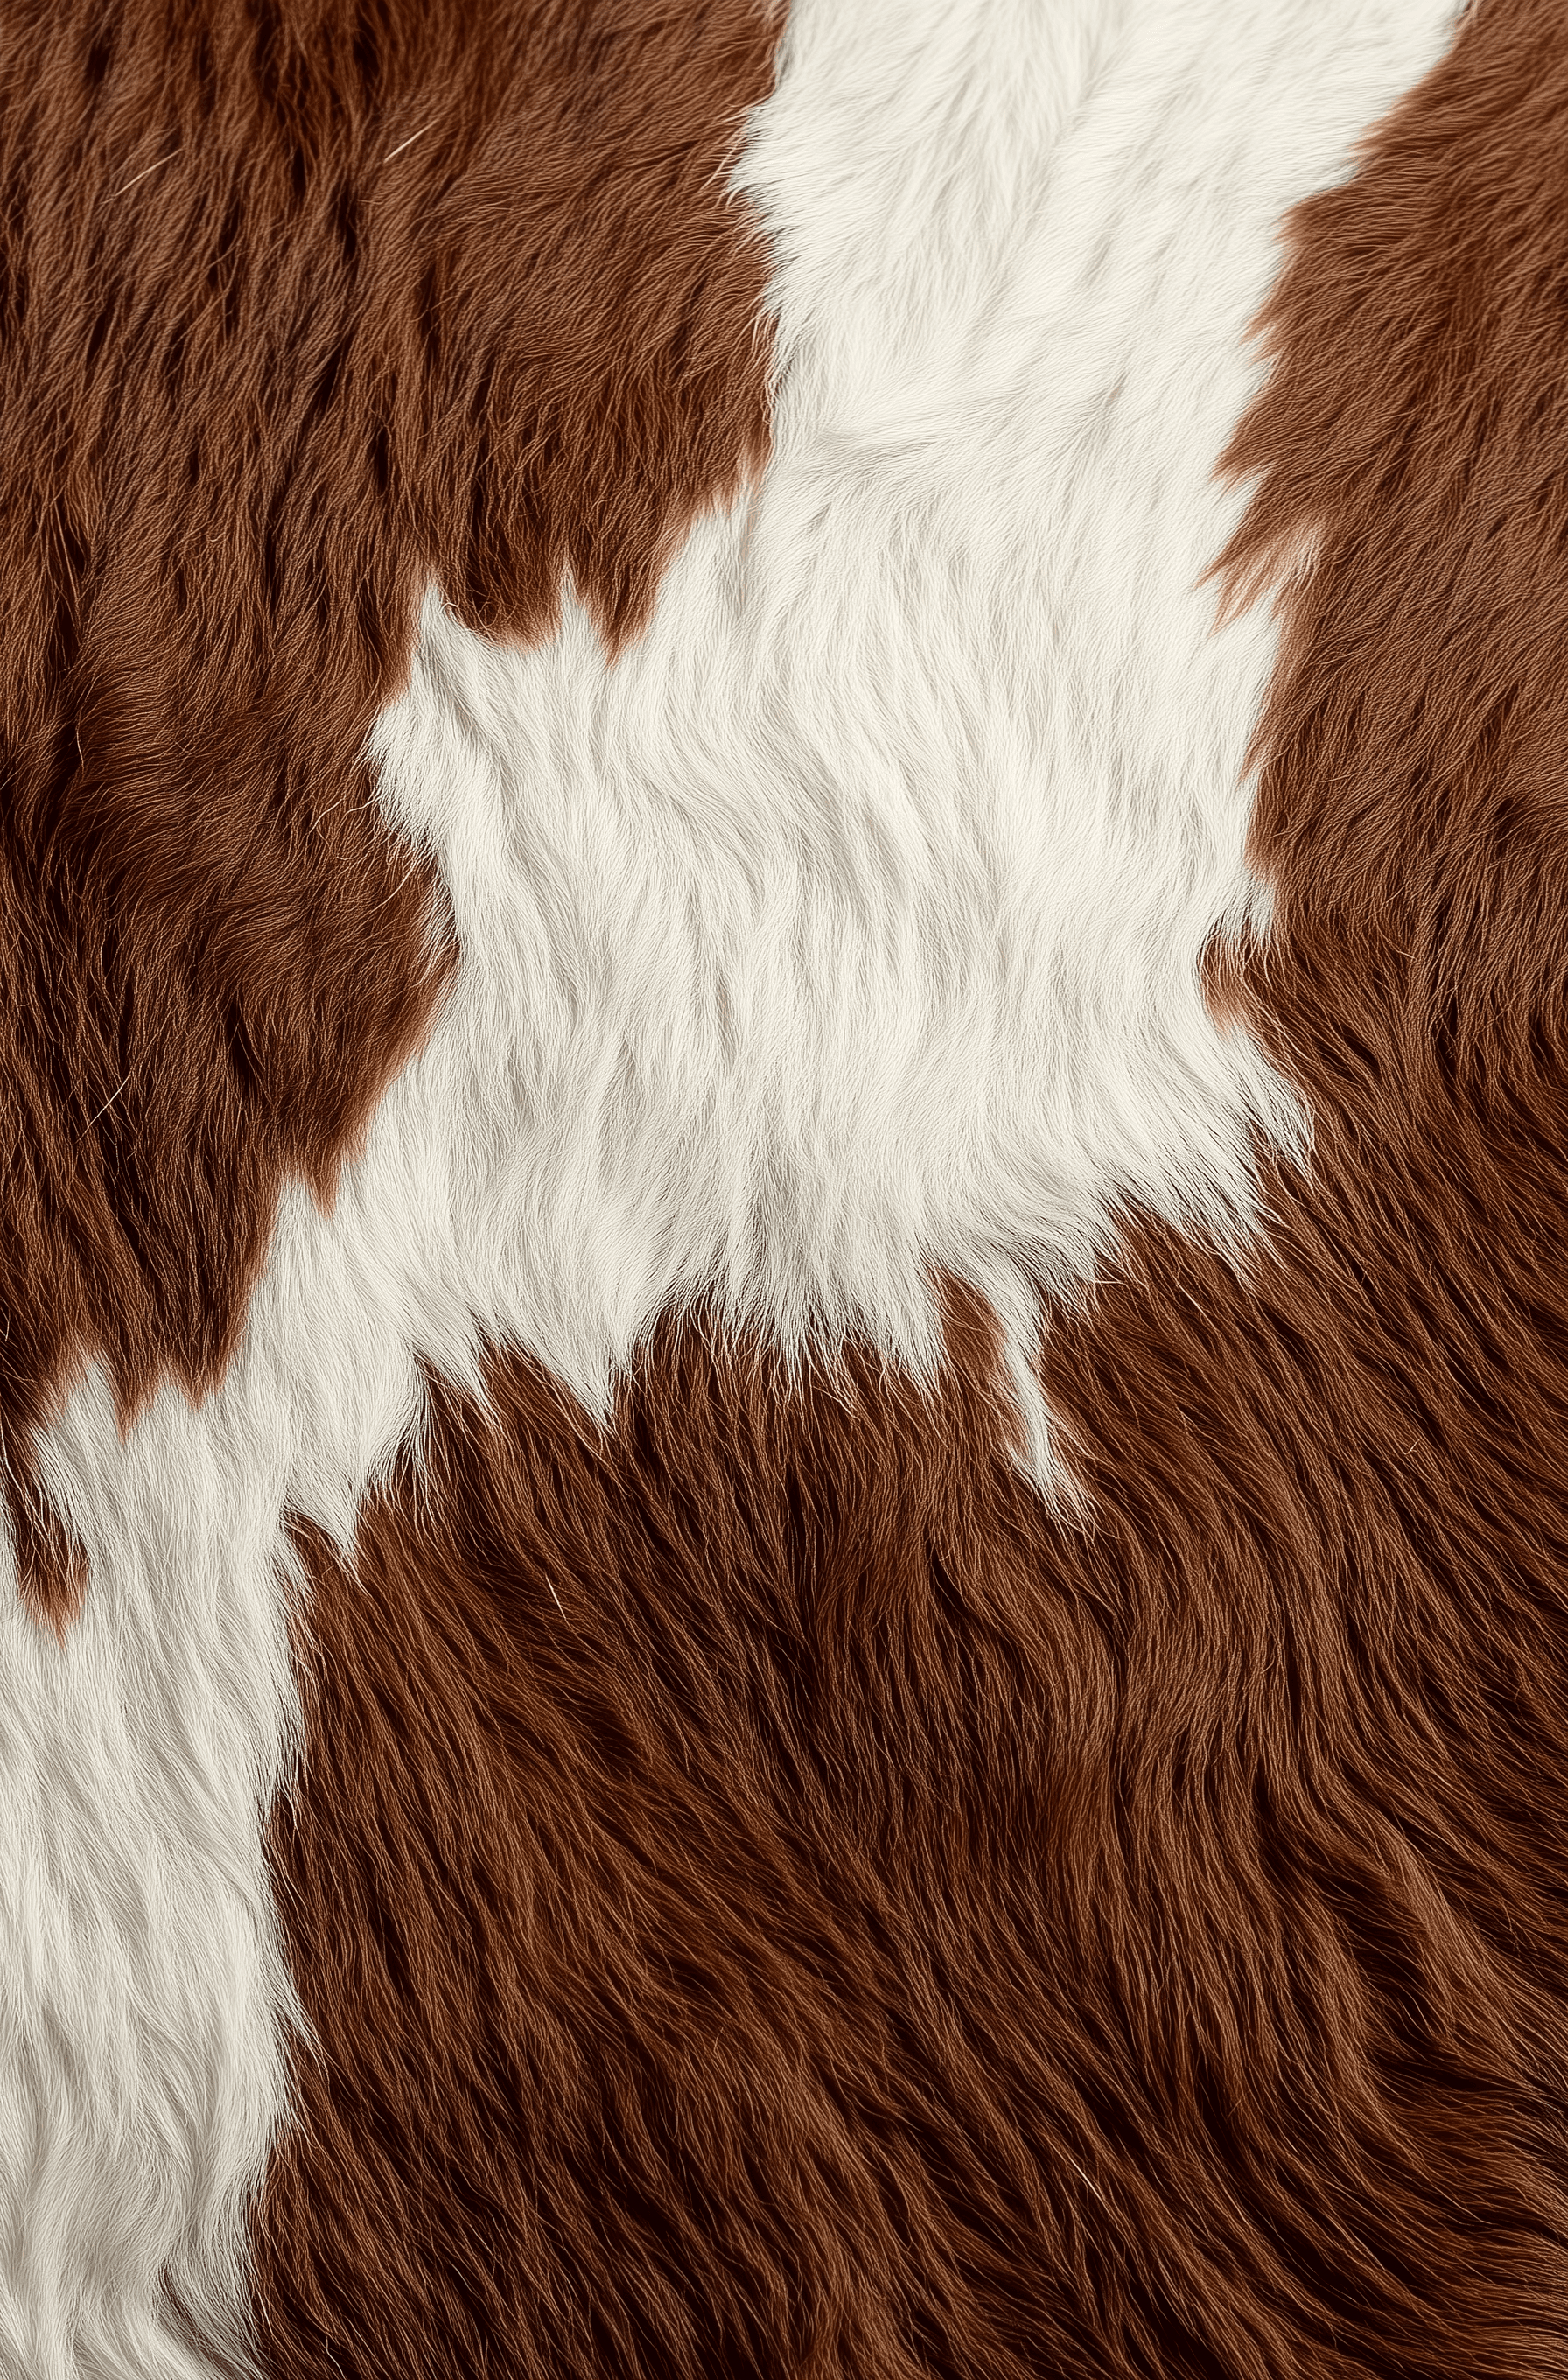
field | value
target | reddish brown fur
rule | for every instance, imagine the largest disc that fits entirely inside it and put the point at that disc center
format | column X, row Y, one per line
column 300, row 302
column 771, row 1898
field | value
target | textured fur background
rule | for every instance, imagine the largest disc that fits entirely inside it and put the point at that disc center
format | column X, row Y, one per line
column 784, row 1137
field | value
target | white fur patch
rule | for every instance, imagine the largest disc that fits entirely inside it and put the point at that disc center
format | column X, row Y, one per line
column 846, row 930
column 848, row 927
column 142, row 1990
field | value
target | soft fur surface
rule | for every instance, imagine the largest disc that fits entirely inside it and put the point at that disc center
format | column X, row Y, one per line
column 814, row 1624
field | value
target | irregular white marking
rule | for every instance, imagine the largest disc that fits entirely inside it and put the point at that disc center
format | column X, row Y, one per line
column 142, row 1990
column 846, row 928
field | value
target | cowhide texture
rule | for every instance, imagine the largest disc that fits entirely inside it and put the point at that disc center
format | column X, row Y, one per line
column 783, row 1189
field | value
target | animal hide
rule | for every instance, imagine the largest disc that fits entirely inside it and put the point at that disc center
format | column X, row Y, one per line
column 783, row 1156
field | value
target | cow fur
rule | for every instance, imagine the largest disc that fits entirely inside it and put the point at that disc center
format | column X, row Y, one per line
column 786, row 1324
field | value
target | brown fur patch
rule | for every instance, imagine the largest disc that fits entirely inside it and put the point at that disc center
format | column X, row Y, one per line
column 300, row 303
column 774, row 1900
